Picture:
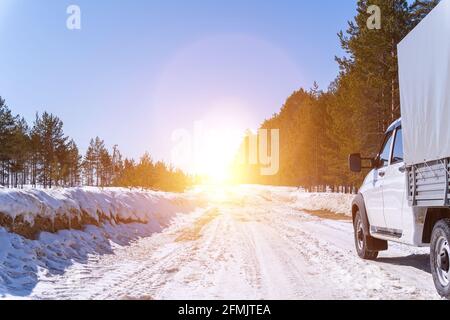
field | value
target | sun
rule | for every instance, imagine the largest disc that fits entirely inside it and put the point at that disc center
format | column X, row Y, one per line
column 216, row 158
column 217, row 174
column 220, row 141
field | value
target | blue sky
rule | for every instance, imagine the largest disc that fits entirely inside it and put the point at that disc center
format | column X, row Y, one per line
column 140, row 69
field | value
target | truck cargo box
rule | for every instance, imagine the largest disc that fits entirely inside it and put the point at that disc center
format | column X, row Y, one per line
column 424, row 70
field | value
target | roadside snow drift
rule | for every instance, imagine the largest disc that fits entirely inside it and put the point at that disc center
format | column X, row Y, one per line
column 333, row 202
column 28, row 212
column 338, row 203
column 45, row 232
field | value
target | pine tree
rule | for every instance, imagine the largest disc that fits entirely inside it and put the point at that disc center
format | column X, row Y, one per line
column 162, row 176
column 20, row 153
column 372, row 61
column 146, row 171
column 73, row 164
column 89, row 164
column 117, row 165
column 101, row 159
column 128, row 177
column 7, row 126
column 367, row 89
column 51, row 141
column 105, row 167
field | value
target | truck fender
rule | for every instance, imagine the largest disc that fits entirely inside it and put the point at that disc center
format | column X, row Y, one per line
column 358, row 203
column 373, row 244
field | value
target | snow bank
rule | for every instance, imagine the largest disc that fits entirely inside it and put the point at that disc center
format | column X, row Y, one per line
column 28, row 212
column 25, row 262
column 334, row 202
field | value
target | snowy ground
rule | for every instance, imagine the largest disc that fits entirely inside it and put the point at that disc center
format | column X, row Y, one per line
column 247, row 243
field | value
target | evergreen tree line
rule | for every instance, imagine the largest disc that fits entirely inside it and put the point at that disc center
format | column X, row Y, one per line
column 43, row 156
column 319, row 129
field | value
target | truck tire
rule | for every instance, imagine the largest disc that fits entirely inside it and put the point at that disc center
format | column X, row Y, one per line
column 440, row 257
column 361, row 239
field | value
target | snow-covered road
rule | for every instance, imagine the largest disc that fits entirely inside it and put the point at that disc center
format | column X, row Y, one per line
column 249, row 243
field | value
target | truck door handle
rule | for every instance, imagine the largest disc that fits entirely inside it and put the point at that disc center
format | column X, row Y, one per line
column 381, row 173
column 402, row 169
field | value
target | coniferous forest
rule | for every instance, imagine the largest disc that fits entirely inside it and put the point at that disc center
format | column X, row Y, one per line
column 42, row 155
column 319, row 129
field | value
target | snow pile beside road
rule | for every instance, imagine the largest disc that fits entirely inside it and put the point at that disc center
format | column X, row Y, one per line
column 24, row 262
column 339, row 203
column 334, row 202
column 28, row 212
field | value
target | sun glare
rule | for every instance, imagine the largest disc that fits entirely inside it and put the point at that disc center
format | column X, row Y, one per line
column 220, row 143
column 214, row 163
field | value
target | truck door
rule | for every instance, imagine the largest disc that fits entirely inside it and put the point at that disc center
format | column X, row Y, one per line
column 394, row 188
column 374, row 195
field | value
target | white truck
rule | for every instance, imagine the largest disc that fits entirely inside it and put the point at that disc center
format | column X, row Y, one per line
column 406, row 196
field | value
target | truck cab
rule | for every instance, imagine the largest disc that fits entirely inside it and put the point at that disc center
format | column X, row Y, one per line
column 384, row 193
column 382, row 210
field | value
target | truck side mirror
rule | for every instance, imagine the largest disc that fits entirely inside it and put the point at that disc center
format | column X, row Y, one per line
column 355, row 162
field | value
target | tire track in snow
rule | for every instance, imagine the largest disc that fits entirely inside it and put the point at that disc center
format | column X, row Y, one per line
column 369, row 280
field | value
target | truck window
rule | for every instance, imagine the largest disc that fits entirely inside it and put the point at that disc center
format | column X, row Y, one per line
column 386, row 150
column 397, row 155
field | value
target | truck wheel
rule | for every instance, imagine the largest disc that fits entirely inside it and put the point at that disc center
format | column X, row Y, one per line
column 361, row 239
column 440, row 257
